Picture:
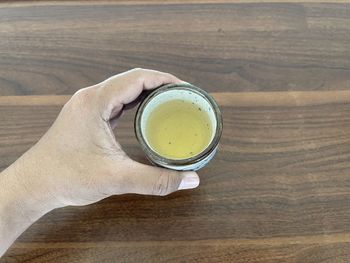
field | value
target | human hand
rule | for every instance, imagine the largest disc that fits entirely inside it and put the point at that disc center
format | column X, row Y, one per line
column 78, row 161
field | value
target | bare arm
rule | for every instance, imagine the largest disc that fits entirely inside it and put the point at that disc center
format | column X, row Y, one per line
column 79, row 162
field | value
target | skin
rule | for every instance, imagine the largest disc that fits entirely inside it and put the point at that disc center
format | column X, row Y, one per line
column 78, row 161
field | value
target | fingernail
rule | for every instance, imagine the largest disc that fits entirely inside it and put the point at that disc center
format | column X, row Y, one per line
column 189, row 180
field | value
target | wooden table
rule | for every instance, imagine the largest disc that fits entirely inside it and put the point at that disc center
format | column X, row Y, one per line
column 279, row 188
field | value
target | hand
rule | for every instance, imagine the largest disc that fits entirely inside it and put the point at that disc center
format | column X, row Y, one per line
column 78, row 161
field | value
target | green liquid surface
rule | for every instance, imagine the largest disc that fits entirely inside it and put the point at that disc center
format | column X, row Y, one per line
column 178, row 129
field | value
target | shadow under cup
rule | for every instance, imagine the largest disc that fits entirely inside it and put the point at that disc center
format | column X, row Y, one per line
column 189, row 93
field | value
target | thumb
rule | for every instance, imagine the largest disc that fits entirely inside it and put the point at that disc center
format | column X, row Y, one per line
column 151, row 180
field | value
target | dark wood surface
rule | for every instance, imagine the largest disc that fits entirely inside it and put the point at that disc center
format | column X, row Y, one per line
column 279, row 187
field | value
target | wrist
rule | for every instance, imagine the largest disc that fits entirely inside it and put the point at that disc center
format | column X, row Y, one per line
column 23, row 184
column 23, row 200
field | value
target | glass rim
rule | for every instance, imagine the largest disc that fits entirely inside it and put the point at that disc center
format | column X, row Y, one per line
column 159, row 159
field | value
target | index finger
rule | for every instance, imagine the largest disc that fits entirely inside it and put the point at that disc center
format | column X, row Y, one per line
column 124, row 88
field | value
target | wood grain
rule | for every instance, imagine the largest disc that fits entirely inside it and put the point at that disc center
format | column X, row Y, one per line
column 277, row 191
column 59, row 48
column 279, row 188
column 185, row 252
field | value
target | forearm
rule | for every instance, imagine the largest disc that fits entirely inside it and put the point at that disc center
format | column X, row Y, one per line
column 22, row 202
column 79, row 162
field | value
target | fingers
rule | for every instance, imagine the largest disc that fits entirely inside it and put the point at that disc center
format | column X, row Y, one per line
column 151, row 180
column 124, row 88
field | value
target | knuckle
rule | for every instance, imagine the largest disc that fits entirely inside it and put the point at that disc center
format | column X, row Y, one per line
column 79, row 103
column 137, row 70
column 163, row 185
column 81, row 94
column 82, row 98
